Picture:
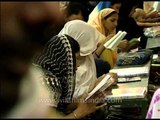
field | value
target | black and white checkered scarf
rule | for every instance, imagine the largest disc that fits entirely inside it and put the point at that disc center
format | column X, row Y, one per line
column 57, row 59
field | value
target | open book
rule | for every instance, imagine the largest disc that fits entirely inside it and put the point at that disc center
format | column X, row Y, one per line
column 127, row 93
column 106, row 82
column 115, row 40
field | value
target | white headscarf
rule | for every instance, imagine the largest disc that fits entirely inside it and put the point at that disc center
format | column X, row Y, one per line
column 88, row 38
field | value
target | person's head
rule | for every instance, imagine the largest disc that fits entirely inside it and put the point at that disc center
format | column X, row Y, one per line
column 76, row 10
column 116, row 5
column 86, row 35
column 139, row 14
column 58, row 60
column 22, row 27
column 109, row 19
column 128, row 8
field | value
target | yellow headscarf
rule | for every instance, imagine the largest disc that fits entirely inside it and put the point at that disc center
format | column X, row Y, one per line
column 97, row 20
column 107, row 55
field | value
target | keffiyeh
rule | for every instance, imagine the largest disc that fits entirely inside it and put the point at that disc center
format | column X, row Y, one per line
column 58, row 61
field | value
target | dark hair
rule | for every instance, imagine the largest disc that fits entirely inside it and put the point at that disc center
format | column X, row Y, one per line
column 110, row 15
column 76, row 7
column 126, row 7
column 115, row 2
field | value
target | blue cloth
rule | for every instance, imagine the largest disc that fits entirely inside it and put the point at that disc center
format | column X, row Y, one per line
column 136, row 58
column 103, row 4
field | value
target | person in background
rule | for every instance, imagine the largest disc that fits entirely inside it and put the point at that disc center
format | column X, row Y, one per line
column 53, row 88
column 22, row 25
column 126, row 22
column 87, row 38
column 70, row 11
column 145, row 18
column 105, row 22
column 154, row 107
column 78, row 11
column 114, row 4
column 18, row 45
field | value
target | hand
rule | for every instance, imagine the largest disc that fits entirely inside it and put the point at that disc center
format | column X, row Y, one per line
column 86, row 108
column 108, row 38
column 99, row 79
column 123, row 44
column 114, row 76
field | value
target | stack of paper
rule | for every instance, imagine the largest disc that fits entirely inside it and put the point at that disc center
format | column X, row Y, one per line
column 115, row 40
column 127, row 93
column 131, row 72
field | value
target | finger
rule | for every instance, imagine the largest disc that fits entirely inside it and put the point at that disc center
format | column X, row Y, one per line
column 99, row 78
column 101, row 106
column 84, row 95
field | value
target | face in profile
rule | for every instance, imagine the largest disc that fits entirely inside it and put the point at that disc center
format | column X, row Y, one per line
column 110, row 23
column 116, row 7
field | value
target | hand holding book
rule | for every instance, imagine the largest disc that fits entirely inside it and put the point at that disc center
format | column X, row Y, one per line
column 115, row 40
column 103, row 88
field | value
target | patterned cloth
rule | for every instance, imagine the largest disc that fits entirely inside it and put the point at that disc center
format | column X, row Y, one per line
column 154, row 108
column 134, row 58
column 58, row 60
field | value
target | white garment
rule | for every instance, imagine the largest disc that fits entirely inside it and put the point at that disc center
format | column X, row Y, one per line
column 88, row 38
column 85, row 77
column 35, row 99
column 86, row 35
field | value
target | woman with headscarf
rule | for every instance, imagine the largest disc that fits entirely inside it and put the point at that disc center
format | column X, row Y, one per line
column 53, row 83
column 105, row 22
column 87, row 38
column 115, row 4
column 126, row 22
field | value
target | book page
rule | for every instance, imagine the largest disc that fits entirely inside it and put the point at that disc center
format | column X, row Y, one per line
column 116, row 41
column 112, row 39
column 99, row 86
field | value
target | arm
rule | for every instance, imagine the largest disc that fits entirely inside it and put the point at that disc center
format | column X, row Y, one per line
column 147, row 24
column 100, row 47
column 81, row 111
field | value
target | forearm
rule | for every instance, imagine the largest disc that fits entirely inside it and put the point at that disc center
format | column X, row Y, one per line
column 157, row 19
column 147, row 24
column 99, row 51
